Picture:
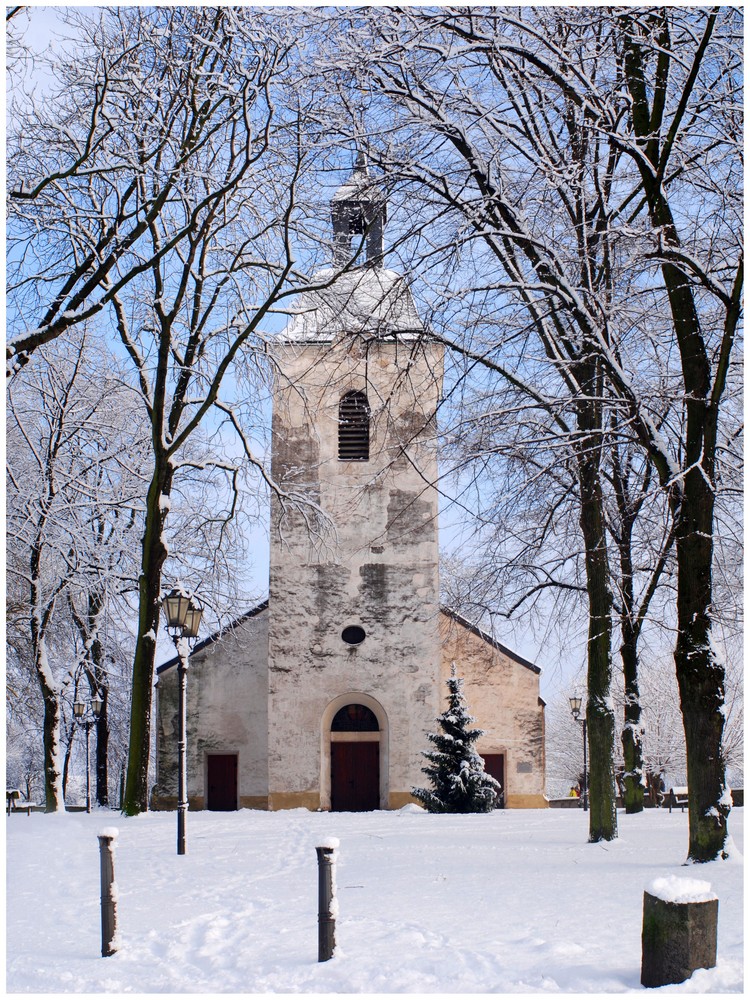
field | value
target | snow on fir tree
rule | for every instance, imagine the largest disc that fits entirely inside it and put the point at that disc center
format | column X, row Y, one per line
column 460, row 783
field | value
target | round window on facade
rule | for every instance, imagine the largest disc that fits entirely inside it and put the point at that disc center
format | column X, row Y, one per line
column 353, row 635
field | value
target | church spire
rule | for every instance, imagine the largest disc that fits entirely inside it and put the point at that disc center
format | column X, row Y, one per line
column 357, row 212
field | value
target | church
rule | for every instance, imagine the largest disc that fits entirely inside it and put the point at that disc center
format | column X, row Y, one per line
column 321, row 697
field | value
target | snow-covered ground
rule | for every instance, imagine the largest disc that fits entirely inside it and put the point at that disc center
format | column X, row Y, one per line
column 510, row 902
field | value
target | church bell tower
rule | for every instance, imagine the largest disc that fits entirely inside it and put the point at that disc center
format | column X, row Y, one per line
column 354, row 652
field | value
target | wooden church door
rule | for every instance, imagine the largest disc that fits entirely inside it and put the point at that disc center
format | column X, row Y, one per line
column 221, row 782
column 494, row 765
column 355, row 760
column 355, row 777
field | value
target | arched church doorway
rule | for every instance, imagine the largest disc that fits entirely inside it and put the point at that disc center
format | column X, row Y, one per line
column 355, row 759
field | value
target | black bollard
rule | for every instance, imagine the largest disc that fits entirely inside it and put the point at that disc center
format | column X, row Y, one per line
column 108, row 891
column 326, row 907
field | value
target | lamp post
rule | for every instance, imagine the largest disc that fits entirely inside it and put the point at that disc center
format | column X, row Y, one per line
column 575, row 711
column 86, row 715
column 183, row 621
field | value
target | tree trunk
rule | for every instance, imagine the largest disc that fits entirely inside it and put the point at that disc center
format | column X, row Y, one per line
column 54, row 800
column 599, row 714
column 53, row 792
column 66, row 762
column 632, row 747
column 154, row 553
column 699, row 675
column 102, row 748
column 96, row 606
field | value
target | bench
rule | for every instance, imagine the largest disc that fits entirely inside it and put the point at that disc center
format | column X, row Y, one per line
column 16, row 803
column 678, row 797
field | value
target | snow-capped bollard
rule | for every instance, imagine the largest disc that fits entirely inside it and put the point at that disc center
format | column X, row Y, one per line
column 107, row 838
column 680, row 917
column 327, row 903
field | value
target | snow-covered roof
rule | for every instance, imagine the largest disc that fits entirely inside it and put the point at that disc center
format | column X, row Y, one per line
column 359, row 186
column 371, row 301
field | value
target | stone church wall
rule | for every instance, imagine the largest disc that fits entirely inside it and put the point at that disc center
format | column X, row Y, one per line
column 228, row 698
column 503, row 696
column 227, row 712
column 378, row 569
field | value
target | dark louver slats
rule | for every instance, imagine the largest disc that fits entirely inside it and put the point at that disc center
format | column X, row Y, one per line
column 354, row 428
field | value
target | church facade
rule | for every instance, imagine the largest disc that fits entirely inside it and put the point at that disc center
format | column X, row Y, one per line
column 321, row 697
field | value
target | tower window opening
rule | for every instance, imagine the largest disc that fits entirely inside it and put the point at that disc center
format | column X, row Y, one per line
column 356, row 222
column 354, row 428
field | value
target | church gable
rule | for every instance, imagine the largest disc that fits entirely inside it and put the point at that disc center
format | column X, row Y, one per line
column 235, row 632
column 227, row 711
column 502, row 692
column 509, row 654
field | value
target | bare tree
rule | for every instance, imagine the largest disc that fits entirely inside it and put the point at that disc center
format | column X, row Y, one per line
column 179, row 183
column 643, row 537
column 67, row 475
column 684, row 70
column 595, row 155
column 527, row 564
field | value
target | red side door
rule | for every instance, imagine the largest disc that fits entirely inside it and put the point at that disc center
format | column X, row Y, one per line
column 221, row 792
column 494, row 765
column 355, row 776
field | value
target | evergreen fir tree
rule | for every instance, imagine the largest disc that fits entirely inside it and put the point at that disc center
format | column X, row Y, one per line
column 456, row 771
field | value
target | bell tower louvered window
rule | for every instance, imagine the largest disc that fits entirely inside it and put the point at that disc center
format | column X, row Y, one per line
column 354, row 428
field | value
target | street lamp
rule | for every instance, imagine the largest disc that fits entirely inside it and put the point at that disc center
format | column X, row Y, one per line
column 87, row 715
column 575, row 711
column 183, row 621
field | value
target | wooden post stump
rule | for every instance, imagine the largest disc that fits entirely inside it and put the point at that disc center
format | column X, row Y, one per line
column 326, row 900
column 680, row 918
column 108, row 891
